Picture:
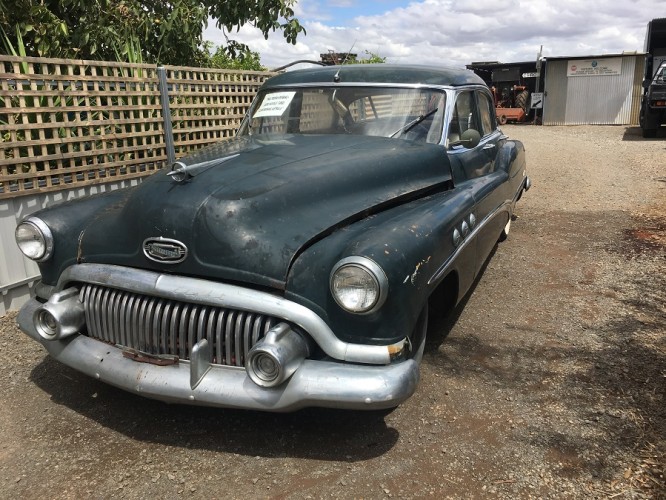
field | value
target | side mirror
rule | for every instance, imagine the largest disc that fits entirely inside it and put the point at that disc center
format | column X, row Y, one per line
column 646, row 84
column 470, row 139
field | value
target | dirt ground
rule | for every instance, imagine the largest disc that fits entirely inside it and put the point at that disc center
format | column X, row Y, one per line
column 549, row 381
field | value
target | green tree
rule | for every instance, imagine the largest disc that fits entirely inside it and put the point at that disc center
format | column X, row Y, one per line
column 332, row 58
column 371, row 58
column 221, row 58
column 166, row 32
column 266, row 15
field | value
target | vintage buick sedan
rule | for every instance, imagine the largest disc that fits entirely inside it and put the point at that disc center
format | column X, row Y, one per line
column 293, row 265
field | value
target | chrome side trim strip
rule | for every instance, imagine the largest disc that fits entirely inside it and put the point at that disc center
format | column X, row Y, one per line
column 204, row 292
column 444, row 268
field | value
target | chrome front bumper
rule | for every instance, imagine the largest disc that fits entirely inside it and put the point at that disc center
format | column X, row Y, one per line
column 315, row 383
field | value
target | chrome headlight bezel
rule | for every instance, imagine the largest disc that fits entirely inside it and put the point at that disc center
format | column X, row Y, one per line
column 42, row 234
column 377, row 278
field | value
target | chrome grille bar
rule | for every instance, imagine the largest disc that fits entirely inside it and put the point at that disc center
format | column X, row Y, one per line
column 160, row 326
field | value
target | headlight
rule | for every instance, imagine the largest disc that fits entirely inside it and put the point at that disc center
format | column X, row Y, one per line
column 34, row 239
column 359, row 285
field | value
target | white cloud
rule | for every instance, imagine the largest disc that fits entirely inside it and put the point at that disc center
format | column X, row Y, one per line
column 461, row 31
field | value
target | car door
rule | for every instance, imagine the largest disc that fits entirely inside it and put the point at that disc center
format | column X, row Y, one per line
column 475, row 167
column 490, row 186
column 466, row 161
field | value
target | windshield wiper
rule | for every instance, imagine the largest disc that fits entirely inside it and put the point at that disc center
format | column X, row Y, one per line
column 409, row 126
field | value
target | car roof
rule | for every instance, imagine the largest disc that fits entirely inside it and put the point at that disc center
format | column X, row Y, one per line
column 377, row 73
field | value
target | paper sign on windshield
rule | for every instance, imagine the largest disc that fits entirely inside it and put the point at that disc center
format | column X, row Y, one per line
column 274, row 104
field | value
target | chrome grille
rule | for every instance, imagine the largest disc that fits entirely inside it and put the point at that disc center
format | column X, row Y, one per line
column 168, row 327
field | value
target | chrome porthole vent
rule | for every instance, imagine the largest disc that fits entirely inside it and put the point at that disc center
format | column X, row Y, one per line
column 472, row 221
column 464, row 229
column 456, row 237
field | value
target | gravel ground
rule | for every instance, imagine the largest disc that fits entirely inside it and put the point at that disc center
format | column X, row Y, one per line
column 549, row 381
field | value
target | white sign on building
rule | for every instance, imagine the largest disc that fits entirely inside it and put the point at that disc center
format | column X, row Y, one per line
column 595, row 67
column 537, row 100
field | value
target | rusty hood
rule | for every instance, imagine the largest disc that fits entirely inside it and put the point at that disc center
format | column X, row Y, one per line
column 248, row 207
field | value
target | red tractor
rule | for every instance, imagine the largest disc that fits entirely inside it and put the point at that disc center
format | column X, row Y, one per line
column 511, row 102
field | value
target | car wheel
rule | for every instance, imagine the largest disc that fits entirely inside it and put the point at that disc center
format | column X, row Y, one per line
column 418, row 337
column 505, row 232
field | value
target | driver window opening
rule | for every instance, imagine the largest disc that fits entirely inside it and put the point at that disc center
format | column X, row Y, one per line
column 464, row 116
column 661, row 75
column 487, row 114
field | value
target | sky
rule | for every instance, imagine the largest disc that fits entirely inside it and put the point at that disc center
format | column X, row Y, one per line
column 456, row 32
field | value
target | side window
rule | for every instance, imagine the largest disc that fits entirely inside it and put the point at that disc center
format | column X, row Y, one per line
column 487, row 113
column 464, row 116
column 661, row 75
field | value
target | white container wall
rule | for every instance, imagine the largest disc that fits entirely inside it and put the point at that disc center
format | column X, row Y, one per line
column 576, row 98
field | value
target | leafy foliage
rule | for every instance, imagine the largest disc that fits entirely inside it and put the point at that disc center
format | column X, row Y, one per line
column 337, row 58
column 222, row 58
column 371, row 58
column 166, row 32
column 266, row 15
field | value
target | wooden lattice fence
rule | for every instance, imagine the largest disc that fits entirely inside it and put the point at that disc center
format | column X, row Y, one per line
column 70, row 123
column 208, row 105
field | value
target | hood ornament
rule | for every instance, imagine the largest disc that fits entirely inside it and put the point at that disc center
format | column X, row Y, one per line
column 180, row 172
column 164, row 250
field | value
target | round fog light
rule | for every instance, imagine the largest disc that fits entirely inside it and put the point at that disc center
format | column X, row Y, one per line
column 46, row 323
column 265, row 367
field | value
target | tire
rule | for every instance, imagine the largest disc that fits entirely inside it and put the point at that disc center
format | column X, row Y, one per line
column 505, row 232
column 501, row 119
column 522, row 101
column 649, row 133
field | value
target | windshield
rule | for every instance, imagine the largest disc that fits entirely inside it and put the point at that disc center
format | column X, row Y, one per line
column 660, row 75
column 410, row 114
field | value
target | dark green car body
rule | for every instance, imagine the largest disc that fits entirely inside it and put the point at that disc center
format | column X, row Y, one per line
column 252, row 232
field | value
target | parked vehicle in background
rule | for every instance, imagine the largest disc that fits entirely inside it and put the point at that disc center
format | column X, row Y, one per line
column 512, row 86
column 293, row 265
column 653, row 102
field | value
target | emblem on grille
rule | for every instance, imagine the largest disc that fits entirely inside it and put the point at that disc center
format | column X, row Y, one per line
column 164, row 250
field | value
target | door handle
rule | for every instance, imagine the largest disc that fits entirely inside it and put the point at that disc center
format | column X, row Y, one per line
column 488, row 146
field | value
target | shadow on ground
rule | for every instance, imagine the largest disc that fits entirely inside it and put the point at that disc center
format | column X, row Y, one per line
column 636, row 134
column 321, row 434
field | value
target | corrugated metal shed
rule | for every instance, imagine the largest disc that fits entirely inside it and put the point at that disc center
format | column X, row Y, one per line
column 576, row 98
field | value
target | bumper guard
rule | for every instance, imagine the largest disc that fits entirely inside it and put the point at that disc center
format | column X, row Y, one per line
column 315, row 383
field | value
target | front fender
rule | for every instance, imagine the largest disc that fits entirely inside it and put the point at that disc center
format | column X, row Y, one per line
column 67, row 221
column 410, row 243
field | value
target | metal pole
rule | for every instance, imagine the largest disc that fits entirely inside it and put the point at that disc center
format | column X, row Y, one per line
column 538, row 81
column 538, row 68
column 166, row 115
